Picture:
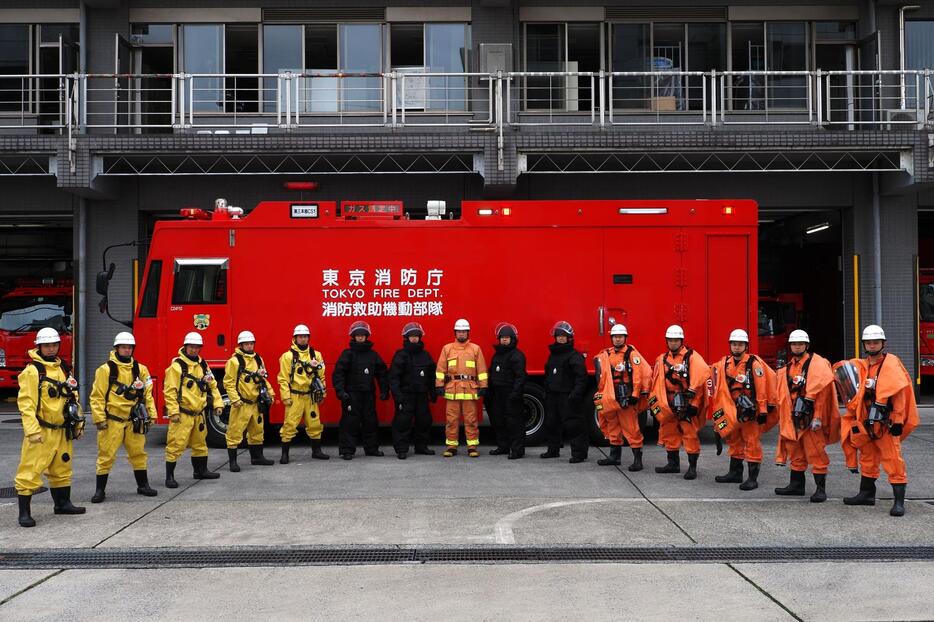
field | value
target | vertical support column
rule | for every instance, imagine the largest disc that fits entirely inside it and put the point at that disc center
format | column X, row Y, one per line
column 886, row 247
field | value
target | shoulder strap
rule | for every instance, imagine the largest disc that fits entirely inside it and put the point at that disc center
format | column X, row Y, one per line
column 136, row 370
column 295, row 358
column 259, row 361
column 41, row 369
column 111, row 381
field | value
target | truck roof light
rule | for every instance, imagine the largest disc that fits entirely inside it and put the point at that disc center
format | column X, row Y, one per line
column 728, row 209
column 642, row 210
column 194, row 213
column 300, row 185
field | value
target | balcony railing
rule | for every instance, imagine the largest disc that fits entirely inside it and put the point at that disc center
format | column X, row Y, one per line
column 262, row 103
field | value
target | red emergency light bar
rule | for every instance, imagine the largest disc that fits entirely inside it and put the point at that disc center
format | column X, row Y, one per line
column 194, row 213
column 300, row 185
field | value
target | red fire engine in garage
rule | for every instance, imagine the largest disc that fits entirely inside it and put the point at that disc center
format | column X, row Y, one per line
column 31, row 305
column 646, row 264
column 926, row 321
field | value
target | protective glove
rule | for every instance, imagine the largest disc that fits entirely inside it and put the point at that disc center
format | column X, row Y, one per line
column 481, row 392
column 287, row 401
column 344, row 396
column 896, row 429
column 439, row 391
column 35, row 438
column 816, row 424
column 175, row 418
column 761, row 419
column 854, row 469
column 236, row 404
column 692, row 411
column 102, row 425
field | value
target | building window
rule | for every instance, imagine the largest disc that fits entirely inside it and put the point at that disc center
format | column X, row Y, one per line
column 430, row 48
column 328, row 49
column 662, row 48
column 770, row 46
column 14, row 60
column 241, row 56
column 203, row 53
column 153, row 34
column 566, row 47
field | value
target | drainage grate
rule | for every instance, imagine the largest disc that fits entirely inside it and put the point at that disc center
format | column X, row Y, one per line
column 338, row 556
column 10, row 493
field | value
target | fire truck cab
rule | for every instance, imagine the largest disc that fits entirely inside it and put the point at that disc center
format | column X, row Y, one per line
column 646, row 264
column 31, row 305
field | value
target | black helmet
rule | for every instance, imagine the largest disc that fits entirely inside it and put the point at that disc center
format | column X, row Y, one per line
column 504, row 329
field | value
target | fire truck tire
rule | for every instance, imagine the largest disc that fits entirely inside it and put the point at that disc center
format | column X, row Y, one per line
column 533, row 405
column 217, row 426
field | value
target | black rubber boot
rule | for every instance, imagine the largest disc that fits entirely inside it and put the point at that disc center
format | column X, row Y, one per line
column 142, row 484
column 25, row 512
column 376, row 453
column 257, row 458
column 232, row 459
column 101, row 491
column 499, row 451
column 752, row 482
column 170, row 475
column 316, row 452
column 866, row 494
column 577, row 459
column 62, row 498
column 199, row 465
column 795, row 487
column 402, row 455
column 636, row 460
column 284, row 458
column 674, row 464
column 820, row 495
column 615, row 457
column 553, row 452
column 898, row 508
column 734, row 475
column 424, row 451
column 691, row 473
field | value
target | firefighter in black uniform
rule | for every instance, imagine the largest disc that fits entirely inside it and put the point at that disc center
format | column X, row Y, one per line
column 356, row 374
column 565, row 382
column 504, row 397
column 412, row 382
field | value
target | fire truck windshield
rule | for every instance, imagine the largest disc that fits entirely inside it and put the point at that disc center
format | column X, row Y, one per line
column 926, row 302
column 30, row 313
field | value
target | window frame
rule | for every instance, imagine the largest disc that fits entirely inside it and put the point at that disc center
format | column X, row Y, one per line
column 143, row 311
column 604, row 48
column 222, row 263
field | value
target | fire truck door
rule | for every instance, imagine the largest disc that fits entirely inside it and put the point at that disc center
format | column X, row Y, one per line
column 200, row 295
column 638, row 274
column 728, row 295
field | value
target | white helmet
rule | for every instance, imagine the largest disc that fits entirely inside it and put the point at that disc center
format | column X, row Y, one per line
column 798, row 336
column 739, row 335
column 674, row 332
column 193, row 339
column 872, row 332
column 47, row 335
column 619, row 329
column 124, row 339
column 245, row 336
column 301, row 329
column 462, row 324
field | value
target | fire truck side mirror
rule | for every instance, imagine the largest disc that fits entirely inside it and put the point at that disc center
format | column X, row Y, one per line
column 103, row 280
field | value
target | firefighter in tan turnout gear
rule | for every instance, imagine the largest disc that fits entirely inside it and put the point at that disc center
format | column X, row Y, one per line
column 461, row 379
column 123, row 409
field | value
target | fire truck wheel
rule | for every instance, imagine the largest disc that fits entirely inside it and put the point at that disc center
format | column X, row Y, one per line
column 217, row 426
column 533, row 405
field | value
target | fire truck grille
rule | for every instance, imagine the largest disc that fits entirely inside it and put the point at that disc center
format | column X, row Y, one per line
column 142, row 558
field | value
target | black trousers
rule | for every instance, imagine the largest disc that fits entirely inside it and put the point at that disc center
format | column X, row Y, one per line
column 414, row 408
column 507, row 419
column 561, row 415
column 358, row 418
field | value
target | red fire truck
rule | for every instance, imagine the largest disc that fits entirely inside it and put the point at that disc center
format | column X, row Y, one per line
column 32, row 304
column 926, row 321
column 646, row 264
column 779, row 314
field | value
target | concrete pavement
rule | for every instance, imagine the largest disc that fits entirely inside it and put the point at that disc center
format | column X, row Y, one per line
column 427, row 500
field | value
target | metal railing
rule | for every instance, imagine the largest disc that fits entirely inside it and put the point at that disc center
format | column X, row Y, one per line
column 257, row 103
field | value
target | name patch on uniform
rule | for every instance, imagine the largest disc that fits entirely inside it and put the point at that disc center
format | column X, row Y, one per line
column 717, row 415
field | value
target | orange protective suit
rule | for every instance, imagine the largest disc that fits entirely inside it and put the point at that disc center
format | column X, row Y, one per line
column 623, row 366
column 893, row 389
column 733, row 379
column 811, row 377
column 668, row 379
column 462, row 371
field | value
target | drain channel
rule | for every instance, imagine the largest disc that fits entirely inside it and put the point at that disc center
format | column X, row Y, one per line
column 155, row 558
